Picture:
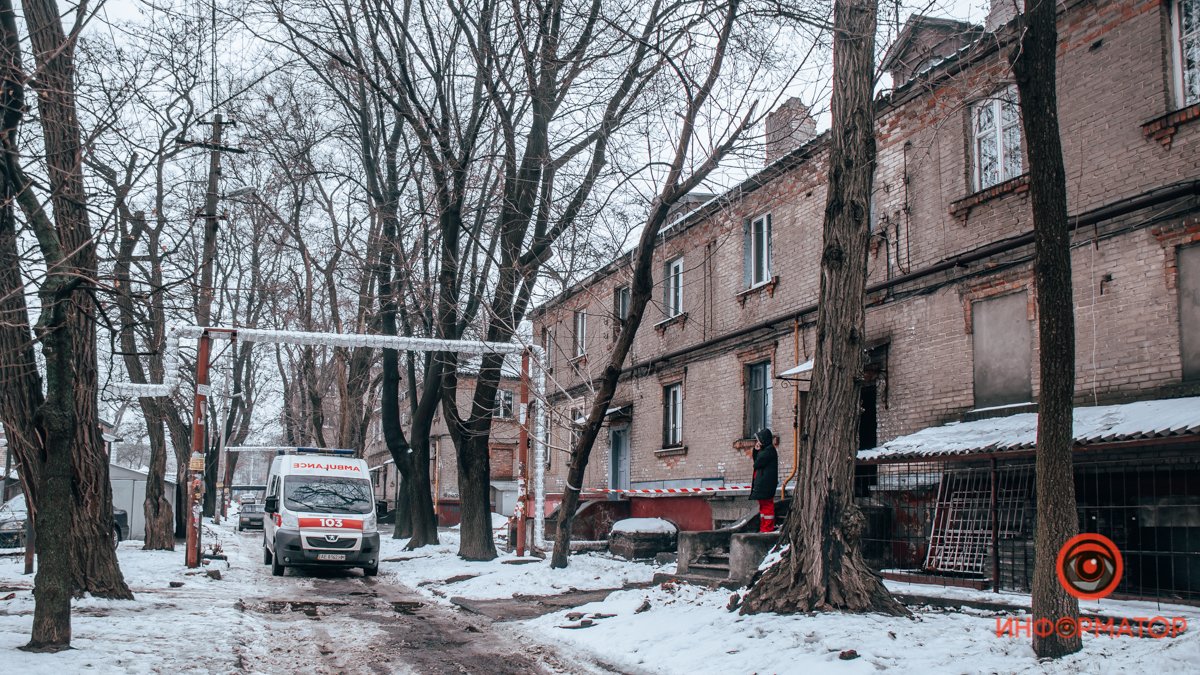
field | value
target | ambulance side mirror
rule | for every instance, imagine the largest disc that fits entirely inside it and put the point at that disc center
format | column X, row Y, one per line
column 272, row 505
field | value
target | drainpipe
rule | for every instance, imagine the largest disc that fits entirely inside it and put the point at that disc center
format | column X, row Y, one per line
column 795, row 413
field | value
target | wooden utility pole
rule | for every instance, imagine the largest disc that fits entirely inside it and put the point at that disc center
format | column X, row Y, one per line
column 194, row 480
column 523, row 510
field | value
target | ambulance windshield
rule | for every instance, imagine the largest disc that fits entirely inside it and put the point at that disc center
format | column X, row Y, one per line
column 325, row 494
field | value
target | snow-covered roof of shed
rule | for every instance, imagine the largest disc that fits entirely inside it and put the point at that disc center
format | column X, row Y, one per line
column 1098, row 424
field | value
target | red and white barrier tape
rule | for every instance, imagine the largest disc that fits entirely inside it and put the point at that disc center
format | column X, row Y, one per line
column 661, row 491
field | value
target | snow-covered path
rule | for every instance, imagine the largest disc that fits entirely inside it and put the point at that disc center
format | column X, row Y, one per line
column 251, row 622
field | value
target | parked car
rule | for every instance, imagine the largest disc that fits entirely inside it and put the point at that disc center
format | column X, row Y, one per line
column 120, row 528
column 12, row 523
column 250, row 516
column 14, row 514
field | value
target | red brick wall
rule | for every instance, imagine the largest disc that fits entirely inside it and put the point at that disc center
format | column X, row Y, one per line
column 1113, row 78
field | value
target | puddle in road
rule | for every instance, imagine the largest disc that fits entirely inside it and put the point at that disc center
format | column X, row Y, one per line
column 406, row 606
column 306, row 607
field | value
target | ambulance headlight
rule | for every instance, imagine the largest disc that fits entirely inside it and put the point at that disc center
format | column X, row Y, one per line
column 370, row 524
column 288, row 520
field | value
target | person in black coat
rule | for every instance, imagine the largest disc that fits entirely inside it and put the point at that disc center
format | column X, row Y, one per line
column 766, row 478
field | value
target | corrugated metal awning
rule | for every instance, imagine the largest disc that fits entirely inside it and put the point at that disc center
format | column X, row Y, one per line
column 1164, row 418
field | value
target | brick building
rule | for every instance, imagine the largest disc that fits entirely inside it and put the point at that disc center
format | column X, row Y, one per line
column 443, row 468
column 951, row 316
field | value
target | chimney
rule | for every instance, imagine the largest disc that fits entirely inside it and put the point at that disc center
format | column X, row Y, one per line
column 1001, row 12
column 790, row 126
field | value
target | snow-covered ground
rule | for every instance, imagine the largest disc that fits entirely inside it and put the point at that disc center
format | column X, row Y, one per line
column 204, row 626
column 687, row 629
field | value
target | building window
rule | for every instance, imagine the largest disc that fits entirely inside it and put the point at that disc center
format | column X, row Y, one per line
column 577, row 421
column 673, row 288
column 621, row 304
column 673, row 415
column 1189, row 310
column 1185, row 29
column 580, row 333
column 758, row 398
column 548, row 348
column 756, row 247
column 996, row 134
column 1002, row 346
column 504, row 404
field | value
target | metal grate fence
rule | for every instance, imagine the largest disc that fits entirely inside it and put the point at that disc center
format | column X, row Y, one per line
column 971, row 523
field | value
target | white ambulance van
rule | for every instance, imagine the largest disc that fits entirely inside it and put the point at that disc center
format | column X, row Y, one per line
column 320, row 512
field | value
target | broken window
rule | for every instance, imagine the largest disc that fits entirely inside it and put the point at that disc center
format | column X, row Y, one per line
column 996, row 139
column 1002, row 349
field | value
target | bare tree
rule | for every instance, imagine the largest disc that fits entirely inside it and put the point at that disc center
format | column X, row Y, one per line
column 72, row 505
column 1034, row 62
column 677, row 183
column 822, row 567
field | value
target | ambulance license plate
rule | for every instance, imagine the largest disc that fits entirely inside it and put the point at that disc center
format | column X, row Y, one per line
column 331, row 556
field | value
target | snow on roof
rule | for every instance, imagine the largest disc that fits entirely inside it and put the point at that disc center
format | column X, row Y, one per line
column 645, row 526
column 1099, row 424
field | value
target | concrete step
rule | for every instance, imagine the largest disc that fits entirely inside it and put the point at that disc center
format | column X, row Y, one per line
column 709, row 566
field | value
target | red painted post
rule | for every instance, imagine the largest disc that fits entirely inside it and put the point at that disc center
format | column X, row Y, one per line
column 195, row 472
column 523, row 456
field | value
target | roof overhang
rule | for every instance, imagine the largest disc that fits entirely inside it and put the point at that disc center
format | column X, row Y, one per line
column 1161, row 421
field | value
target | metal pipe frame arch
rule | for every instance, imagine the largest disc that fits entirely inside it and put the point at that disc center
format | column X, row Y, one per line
column 537, row 375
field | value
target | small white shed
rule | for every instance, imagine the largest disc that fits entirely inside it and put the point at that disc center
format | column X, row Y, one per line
column 129, row 493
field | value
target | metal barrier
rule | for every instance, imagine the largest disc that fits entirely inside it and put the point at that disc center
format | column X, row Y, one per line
column 971, row 522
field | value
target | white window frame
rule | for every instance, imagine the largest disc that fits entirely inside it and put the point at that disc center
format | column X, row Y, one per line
column 1009, row 165
column 576, row 427
column 673, row 288
column 759, row 241
column 1178, row 51
column 504, row 404
column 622, row 295
column 673, row 415
column 580, row 322
column 547, row 346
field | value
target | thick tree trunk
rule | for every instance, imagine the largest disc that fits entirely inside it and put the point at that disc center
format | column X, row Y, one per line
column 403, row 526
column 53, row 525
column 1034, row 65
column 823, row 568
column 95, row 567
column 476, row 538
column 159, row 532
